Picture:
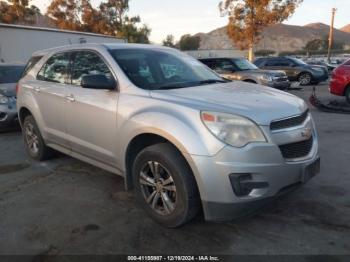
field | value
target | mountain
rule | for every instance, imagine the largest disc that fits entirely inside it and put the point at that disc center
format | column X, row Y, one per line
column 345, row 29
column 280, row 37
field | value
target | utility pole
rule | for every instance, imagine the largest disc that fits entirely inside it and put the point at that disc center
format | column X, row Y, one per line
column 331, row 32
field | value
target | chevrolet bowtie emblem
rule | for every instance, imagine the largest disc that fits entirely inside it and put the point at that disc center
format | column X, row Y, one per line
column 307, row 133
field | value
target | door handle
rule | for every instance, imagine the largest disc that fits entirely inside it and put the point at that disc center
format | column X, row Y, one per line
column 70, row 98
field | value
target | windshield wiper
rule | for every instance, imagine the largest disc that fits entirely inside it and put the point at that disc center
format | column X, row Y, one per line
column 212, row 81
column 189, row 84
column 170, row 86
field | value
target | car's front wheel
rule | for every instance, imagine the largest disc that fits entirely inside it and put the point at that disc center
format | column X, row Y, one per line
column 165, row 186
column 34, row 143
column 305, row 79
column 347, row 94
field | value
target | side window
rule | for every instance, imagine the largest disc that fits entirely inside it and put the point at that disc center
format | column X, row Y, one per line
column 277, row 62
column 88, row 63
column 209, row 63
column 224, row 65
column 55, row 69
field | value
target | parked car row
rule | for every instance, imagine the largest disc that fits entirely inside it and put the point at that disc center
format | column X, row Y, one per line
column 182, row 137
column 241, row 69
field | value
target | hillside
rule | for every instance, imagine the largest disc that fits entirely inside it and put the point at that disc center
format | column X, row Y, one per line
column 345, row 29
column 279, row 37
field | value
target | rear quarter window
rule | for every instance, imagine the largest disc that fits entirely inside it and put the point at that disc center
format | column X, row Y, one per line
column 31, row 63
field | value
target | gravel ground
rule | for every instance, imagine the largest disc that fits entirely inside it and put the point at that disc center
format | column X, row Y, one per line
column 64, row 206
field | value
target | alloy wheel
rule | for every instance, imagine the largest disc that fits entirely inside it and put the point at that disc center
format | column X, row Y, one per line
column 305, row 79
column 158, row 188
column 32, row 139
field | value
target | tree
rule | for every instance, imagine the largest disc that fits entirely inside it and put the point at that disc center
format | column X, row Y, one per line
column 169, row 41
column 188, row 42
column 314, row 45
column 66, row 14
column 247, row 18
column 109, row 18
column 320, row 46
column 18, row 12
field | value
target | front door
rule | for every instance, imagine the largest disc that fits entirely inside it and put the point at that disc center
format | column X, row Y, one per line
column 92, row 113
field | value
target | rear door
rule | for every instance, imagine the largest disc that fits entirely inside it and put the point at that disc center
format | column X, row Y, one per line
column 92, row 113
column 50, row 92
column 280, row 64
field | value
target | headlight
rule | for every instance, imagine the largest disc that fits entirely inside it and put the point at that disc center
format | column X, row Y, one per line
column 267, row 78
column 4, row 99
column 234, row 130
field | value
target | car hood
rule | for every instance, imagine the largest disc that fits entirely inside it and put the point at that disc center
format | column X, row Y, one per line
column 8, row 89
column 259, row 103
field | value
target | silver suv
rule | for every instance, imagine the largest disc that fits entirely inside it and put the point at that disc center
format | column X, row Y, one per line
column 182, row 137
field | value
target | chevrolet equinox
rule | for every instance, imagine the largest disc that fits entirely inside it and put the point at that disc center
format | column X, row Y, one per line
column 182, row 137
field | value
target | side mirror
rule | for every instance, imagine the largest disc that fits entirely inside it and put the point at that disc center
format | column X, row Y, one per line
column 97, row 82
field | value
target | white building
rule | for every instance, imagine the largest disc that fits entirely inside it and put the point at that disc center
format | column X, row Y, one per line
column 17, row 42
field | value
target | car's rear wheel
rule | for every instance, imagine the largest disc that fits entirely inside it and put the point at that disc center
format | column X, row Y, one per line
column 34, row 143
column 165, row 186
column 305, row 79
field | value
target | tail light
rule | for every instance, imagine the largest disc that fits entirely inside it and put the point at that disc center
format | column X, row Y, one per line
column 17, row 89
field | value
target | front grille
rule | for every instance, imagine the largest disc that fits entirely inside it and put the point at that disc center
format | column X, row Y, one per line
column 297, row 150
column 281, row 79
column 289, row 122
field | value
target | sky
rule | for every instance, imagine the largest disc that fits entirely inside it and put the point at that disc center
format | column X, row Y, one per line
column 181, row 17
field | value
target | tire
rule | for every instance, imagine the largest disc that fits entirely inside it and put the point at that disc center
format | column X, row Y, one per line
column 305, row 79
column 347, row 94
column 174, row 199
column 33, row 141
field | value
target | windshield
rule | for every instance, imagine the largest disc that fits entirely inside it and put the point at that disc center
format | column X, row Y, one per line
column 297, row 61
column 244, row 64
column 10, row 74
column 159, row 69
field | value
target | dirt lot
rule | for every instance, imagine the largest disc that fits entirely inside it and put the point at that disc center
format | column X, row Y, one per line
column 64, row 206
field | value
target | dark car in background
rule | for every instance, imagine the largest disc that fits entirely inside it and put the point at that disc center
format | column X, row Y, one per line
column 296, row 69
column 340, row 82
column 9, row 76
column 241, row 69
column 329, row 66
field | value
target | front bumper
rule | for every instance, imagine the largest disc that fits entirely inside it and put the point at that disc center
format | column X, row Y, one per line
column 320, row 77
column 263, row 162
column 8, row 115
column 279, row 85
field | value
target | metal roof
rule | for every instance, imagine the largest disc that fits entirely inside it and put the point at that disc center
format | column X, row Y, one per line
column 25, row 27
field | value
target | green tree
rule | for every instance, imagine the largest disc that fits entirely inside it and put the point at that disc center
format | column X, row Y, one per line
column 188, row 42
column 169, row 41
column 247, row 18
